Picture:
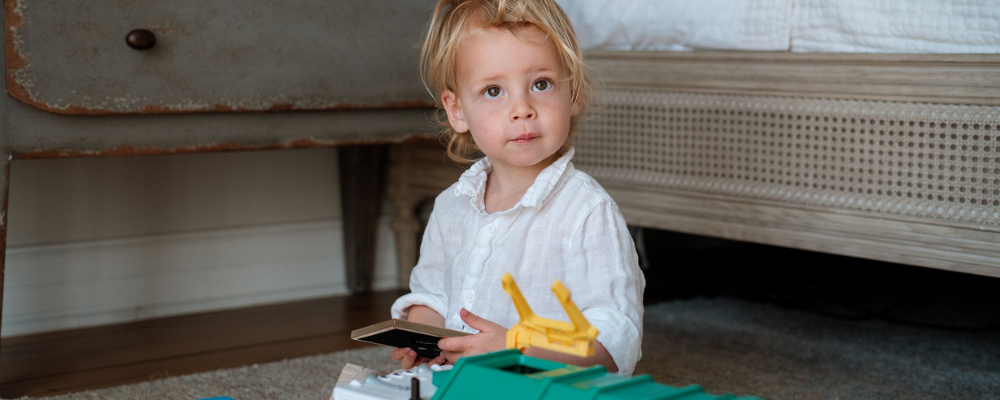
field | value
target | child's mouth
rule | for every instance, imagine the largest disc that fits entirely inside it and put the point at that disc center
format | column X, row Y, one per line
column 525, row 138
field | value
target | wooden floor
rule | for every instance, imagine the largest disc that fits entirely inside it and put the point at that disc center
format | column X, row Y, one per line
column 684, row 266
column 69, row 361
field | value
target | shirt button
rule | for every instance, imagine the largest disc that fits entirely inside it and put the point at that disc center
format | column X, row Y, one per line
column 470, row 296
column 491, row 228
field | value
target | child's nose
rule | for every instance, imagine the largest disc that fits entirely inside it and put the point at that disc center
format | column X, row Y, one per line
column 527, row 115
column 522, row 110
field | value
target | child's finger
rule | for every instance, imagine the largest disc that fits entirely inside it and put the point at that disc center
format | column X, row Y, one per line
column 399, row 352
column 449, row 357
column 454, row 344
column 409, row 359
column 480, row 324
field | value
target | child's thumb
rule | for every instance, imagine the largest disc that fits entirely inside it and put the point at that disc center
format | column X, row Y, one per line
column 476, row 322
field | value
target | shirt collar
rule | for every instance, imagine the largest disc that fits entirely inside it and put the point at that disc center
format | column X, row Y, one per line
column 473, row 181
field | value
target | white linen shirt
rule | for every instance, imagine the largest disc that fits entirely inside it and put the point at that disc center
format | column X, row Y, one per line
column 565, row 227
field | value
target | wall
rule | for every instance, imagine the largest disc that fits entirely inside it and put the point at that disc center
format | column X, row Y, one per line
column 103, row 240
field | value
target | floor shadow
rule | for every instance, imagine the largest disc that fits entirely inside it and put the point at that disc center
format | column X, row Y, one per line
column 683, row 266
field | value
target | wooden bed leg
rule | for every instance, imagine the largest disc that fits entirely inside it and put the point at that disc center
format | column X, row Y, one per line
column 361, row 176
column 639, row 238
column 5, row 176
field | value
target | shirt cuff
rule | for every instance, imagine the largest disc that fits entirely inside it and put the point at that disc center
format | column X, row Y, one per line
column 620, row 337
column 401, row 307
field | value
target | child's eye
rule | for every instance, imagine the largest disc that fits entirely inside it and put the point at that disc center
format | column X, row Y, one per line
column 492, row 92
column 541, row 86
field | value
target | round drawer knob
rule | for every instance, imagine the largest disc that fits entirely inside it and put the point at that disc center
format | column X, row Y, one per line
column 140, row 39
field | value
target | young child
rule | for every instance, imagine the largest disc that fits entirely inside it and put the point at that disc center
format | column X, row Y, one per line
column 509, row 75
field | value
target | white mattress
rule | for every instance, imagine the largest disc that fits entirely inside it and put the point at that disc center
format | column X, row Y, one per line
column 890, row 26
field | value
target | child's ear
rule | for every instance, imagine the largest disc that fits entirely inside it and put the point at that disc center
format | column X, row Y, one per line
column 454, row 110
column 577, row 106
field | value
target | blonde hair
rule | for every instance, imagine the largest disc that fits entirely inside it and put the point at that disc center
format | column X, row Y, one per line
column 452, row 18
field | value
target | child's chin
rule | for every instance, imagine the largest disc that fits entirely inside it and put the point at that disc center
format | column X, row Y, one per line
column 543, row 161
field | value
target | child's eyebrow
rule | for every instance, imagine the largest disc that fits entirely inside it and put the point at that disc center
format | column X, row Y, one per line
column 498, row 77
column 492, row 78
column 543, row 69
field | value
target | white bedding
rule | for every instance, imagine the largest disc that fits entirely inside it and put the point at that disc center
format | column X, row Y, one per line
column 890, row 26
column 671, row 25
column 901, row 26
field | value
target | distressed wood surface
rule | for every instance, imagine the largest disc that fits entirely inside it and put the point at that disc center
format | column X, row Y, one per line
column 418, row 174
column 363, row 90
column 757, row 78
column 866, row 235
column 30, row 132
column 71, row 57
column 937, row 78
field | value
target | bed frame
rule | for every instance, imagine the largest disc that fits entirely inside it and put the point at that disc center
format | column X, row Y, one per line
column 886, row 157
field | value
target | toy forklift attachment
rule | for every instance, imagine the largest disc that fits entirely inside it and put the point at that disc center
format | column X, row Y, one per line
column 575, row 338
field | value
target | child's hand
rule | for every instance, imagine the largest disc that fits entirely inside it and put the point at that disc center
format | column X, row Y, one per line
column 409, row 358
column 425, row 315
column 491, row 337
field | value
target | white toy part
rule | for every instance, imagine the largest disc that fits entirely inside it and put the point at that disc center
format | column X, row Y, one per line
column 394, row 386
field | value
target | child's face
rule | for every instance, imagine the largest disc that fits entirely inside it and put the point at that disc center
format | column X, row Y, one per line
column 513, row 95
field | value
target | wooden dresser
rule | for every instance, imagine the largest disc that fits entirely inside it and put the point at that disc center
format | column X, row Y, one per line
column 116, row 77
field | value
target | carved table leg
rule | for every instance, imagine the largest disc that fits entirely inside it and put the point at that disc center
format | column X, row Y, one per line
column 361, row 176
column 406, row 228
column 418, row 171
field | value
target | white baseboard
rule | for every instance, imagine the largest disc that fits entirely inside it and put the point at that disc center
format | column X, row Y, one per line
column 62, row 286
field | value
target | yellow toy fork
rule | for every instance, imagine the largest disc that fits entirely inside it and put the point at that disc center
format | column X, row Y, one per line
column 575, row 338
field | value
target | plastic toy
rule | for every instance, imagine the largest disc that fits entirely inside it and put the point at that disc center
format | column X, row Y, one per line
column 509, row 374
column 533, row 331
column 415, row 383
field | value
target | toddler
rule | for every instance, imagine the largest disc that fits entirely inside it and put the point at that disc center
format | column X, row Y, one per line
column 509, row 76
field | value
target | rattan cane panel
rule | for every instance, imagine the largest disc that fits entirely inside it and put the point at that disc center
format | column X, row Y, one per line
column 931, row 161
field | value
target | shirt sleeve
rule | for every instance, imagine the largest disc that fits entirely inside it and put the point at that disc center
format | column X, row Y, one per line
column 605, row 266
column 427, row 280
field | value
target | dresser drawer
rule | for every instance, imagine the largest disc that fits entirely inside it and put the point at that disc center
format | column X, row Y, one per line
column 71, row 57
